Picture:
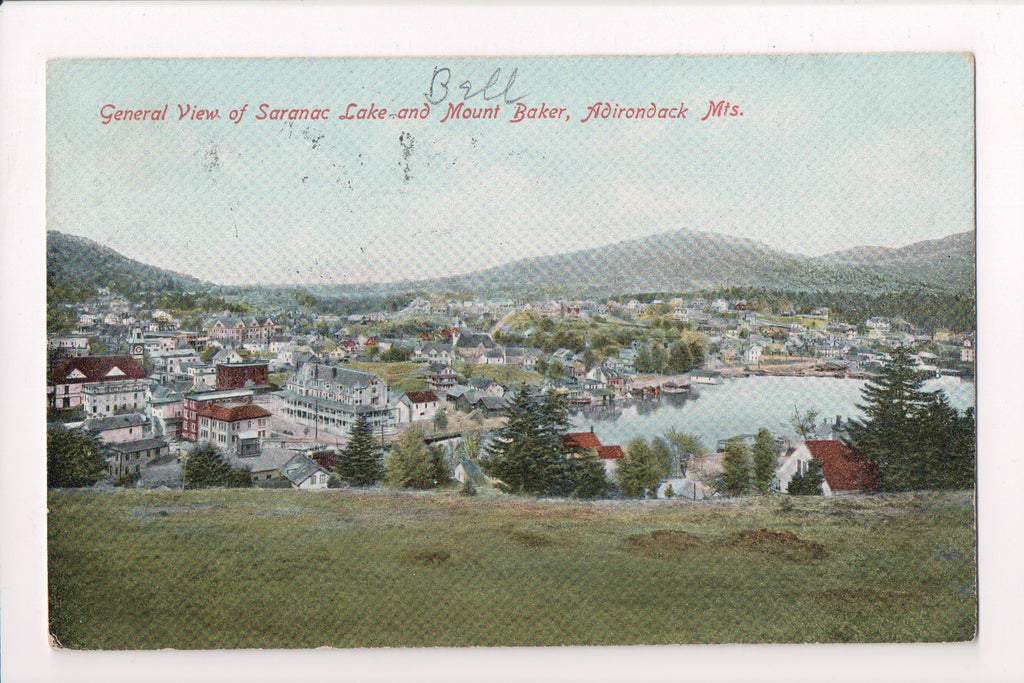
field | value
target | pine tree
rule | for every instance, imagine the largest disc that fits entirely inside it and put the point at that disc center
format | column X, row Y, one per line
column 528, row 454
column 736, row 467
column 412, row 464
column 73, row 459
column 206, row 467
column 906, row 431
column 360, row 461
column 808, row 483
column 765, row 455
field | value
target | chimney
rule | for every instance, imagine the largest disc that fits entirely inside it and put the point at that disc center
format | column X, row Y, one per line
column 591, row 429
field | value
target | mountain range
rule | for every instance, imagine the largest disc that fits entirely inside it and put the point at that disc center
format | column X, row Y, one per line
column 679, row 261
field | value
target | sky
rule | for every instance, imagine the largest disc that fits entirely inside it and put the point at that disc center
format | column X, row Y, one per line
column 830, row 152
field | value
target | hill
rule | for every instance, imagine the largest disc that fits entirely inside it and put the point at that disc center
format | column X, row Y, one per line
column 687, row 260
column 678, row 261
column 76, row 262
column 949, row 260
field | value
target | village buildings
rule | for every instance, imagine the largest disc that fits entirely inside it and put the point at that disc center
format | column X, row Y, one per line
column 332, row 398
column 102, row 385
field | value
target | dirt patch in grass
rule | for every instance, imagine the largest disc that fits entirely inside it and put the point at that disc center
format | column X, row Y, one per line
column 777, row 543
column 428, row 557
column 663, row 543
column 528, row 537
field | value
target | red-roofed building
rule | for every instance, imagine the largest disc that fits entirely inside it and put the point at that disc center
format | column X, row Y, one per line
column 192, row 403
column 103, row 385
column 415, row 406
column 608, row 455
column 844, row 471
column 235, row 429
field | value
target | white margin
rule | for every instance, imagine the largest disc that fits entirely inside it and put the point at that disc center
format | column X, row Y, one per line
column 30, row 33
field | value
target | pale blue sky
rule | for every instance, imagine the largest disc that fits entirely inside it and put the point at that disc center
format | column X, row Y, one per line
column 831, row 152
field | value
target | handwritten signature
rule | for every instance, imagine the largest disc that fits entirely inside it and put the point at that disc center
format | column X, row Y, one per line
column 440, row 87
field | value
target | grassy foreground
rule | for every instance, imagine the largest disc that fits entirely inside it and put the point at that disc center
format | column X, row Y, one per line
column 281, row 568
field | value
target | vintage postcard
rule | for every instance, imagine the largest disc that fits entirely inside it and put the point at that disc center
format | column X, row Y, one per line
column 521, row 351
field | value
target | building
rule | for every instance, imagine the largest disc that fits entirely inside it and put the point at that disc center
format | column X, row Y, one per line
column 331, row 398
column 59, row 348
column 440, row 377
column 416, row 406
column 67, row 383
column 247, row 374
column 236, row 429
column 117, row 428
column 235, row 331
column 588, row 441
column 305, row 474
column 843, row 471
column 129, row 457
column 192, row 402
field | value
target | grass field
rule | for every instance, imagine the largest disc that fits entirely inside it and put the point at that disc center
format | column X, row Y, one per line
column 368, row 568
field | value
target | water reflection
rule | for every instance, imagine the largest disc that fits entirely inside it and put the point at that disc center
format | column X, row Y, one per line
column 742, row 406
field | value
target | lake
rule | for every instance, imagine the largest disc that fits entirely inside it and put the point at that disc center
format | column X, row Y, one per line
column 742, row 406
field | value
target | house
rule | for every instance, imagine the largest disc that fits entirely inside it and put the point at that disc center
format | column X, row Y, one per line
column 129, row 457
column 440, row 377
column 116, row 428
column 752, row 354
column 435, row 352
column 235, row 429
column 166, row 407
column 416, row 406
column 588, row 441
column 305, row 474
column 470, row 470
column 101, row 384
column 59, row 348
column 967, row 352
column 226, row 355
column 172, row 360
column 475, row 345
column 237, row 330
column 485, row 386
column 843, row 471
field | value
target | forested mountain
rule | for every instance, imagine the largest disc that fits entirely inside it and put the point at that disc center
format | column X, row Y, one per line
column 687, row 261
column 681, row 261
column 74, row 262
column 948, row 261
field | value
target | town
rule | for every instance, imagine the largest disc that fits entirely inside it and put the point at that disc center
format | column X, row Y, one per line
column 278, row 391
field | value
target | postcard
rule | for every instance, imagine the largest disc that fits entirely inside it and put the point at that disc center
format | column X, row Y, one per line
column 511, row 351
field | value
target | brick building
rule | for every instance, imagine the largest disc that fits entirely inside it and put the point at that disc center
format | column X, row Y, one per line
column 247, row 374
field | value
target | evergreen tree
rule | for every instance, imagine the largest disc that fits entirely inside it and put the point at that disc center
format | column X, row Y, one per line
column 807, row 484
column 528, row 454
column 412, row 464
column 360, row 461
column 206, row 467
column 73, row 459
column 765, row 455
column 642, row 468
column 915, row 437
column 736, row 467
column 516, row 455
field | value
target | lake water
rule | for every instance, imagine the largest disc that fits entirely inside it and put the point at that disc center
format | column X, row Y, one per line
column 742, row 406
